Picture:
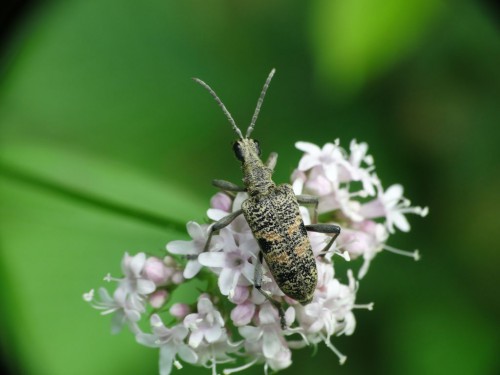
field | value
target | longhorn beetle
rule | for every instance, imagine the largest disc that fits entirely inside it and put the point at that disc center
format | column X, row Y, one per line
column 272, row 212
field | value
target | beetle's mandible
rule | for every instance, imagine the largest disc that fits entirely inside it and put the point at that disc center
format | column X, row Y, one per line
column 272, row 212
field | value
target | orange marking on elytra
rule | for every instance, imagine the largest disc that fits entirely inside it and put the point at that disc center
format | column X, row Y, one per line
column 278, row 257
column 295, row 226
column 270, row 236
column 302, row 249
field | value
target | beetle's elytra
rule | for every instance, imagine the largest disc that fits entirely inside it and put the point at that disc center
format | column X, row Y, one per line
column 275, row 221
column 272, row 212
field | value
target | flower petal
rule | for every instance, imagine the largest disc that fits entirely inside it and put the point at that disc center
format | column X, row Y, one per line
column 187, row 354
column 167, row 354
column 182, row 247
column 192, row 269
column 195, row 338
column 137, row 263
column 308, row 147
column 195, row 230
column 213, row 259
column 216, row 214
column 307, row 162
column 271, row 344
column 226, row 278
column 393, row 193
column 145, row 286
column 400, row 221
column 213, row 333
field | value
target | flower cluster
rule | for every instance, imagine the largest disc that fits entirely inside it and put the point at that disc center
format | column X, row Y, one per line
column 231, row 321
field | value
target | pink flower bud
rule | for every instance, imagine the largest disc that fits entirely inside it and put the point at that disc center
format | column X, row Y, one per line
column 155, row 271
column 241, row 294
column 177, row 277
column 242, row 314
column 179, row 310
column 221, row 201
column 158, row 298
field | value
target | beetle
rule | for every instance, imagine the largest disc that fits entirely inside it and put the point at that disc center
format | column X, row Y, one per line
column 272, row 212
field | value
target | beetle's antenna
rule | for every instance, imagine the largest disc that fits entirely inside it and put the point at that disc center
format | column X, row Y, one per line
column 259, row 102
column 224, row 109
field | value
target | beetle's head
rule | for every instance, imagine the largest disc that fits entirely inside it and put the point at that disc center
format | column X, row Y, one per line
column 246, row 149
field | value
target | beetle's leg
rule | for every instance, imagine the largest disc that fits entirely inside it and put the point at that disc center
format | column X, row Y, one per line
column 257, row 282
column 325, row 228
column 271, row 160
column 310, row 199
column 228, row 186
column 218, row 225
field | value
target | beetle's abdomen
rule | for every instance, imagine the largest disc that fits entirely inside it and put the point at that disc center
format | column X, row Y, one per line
column 278, row 228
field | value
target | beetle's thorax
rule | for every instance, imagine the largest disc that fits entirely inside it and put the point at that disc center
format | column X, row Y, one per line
column 257, row 177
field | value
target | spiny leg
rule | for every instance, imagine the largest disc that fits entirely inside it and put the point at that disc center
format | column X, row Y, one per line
column 257, row 281
column 218, row 225
column 328, row 229
column 310, row 199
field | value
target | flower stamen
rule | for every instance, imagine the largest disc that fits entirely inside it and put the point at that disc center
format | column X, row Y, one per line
column 367, row 306
column 412, row 254
column 342, row 357
column 241, row 368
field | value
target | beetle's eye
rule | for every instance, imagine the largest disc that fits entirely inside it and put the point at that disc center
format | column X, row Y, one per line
column 257, row 146
column 237, row 150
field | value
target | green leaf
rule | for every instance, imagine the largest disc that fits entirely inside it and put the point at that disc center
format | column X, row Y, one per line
column 103, row 182
column 67, row 218
column 52, row 252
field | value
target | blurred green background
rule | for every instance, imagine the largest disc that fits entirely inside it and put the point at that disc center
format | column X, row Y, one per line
column 108, row 146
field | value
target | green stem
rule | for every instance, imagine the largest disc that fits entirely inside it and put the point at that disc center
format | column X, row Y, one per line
column 67, row 192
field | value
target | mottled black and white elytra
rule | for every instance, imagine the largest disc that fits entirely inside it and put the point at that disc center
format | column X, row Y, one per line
column 272, row 212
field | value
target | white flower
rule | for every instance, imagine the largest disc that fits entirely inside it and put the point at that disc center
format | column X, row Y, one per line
column 128, row 301
column 206, row 324
column 355, row 170
column 314, row 182
column 239, row 226
column 330, row 157
column 341, row 299
column 171, row 344
column 233, row 262
column 392, row 205
column 266, row 341
column 211, row 354
column 191, row 249
column 135, row 283
column 330, row 313
column 123, row 309
column 341, row 199
column 318, row 316
column 365, row 239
